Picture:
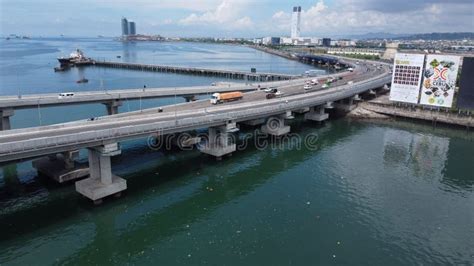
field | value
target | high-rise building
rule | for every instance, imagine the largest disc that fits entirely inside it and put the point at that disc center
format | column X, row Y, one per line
column 327, row 42
column 295, row 22
column 124, row 26
column 131, row 28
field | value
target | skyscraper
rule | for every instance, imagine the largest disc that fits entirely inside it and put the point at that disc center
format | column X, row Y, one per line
column 131, row 28
column 124, row 26
column 295, row 22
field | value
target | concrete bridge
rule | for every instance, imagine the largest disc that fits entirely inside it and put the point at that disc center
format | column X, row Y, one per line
column 101, row 137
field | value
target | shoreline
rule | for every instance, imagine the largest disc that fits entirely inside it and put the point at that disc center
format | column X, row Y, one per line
column 382, row 108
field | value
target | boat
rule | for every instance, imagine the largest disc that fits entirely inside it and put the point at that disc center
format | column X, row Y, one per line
column 82, row 80
column 74, row 57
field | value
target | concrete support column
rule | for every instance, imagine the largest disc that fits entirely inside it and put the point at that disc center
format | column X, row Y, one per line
column 275, row 126
column 218, row 143
column 112, row 107
column 316, row 114
column 102, row 182
column 346, row 105
column 69, row 157
column 190, row 98
column 5, row 119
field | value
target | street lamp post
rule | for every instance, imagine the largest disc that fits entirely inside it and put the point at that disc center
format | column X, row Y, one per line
column 175, row 108
column 39, row 113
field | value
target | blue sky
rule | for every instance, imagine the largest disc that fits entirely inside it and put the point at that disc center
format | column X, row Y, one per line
column 233, row 18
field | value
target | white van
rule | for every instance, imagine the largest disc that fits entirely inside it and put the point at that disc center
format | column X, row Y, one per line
column 65, row 95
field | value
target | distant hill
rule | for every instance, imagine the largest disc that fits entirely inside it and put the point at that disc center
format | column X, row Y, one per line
column 376, row 35
column 440, row 36
column 418, row 36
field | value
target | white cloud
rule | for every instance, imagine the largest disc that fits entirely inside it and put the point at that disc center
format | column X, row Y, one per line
column 227, row 14
column 194, row 5
column 346, row 17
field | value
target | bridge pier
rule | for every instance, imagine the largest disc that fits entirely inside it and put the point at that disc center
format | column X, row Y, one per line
column 190, row 98
column 218, row 144
column 112, row 107
column 316, row 114
column 102, row 182
column 5, row 115
column 275, row 126
column 346, row 105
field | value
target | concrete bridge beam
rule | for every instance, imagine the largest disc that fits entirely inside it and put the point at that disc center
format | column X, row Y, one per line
column 112, row 107
column 5, row 115
column 255, row 122
column 102, row 182
column 316, row 114
column 275, row 126
column 218, row 143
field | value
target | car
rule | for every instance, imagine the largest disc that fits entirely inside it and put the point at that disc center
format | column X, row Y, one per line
column 270, row 90
column 65, row 95
column 274, row 94
column 93, row 119
column 350, row 69
column 213, row 84
column 325, row 86
column 350, row 82
column 314, row 82
column 270, row 96
column 307, row 87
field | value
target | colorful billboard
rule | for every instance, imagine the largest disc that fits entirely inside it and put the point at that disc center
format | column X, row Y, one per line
column 440, row 76
column 466, row 85
column 406, row 78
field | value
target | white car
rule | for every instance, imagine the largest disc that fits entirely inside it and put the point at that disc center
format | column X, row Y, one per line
column 65, row 95
column 325, row 86
column 307, row 87
column 350, row 69
column 314, row 82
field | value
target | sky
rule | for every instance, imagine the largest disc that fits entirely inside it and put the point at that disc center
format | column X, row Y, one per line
column 234, row 18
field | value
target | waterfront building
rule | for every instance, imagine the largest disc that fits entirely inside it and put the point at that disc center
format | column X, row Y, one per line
column 326, row 42
column 295, row 22
column 124, row 26
column 132, row 28
column 271, row 40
